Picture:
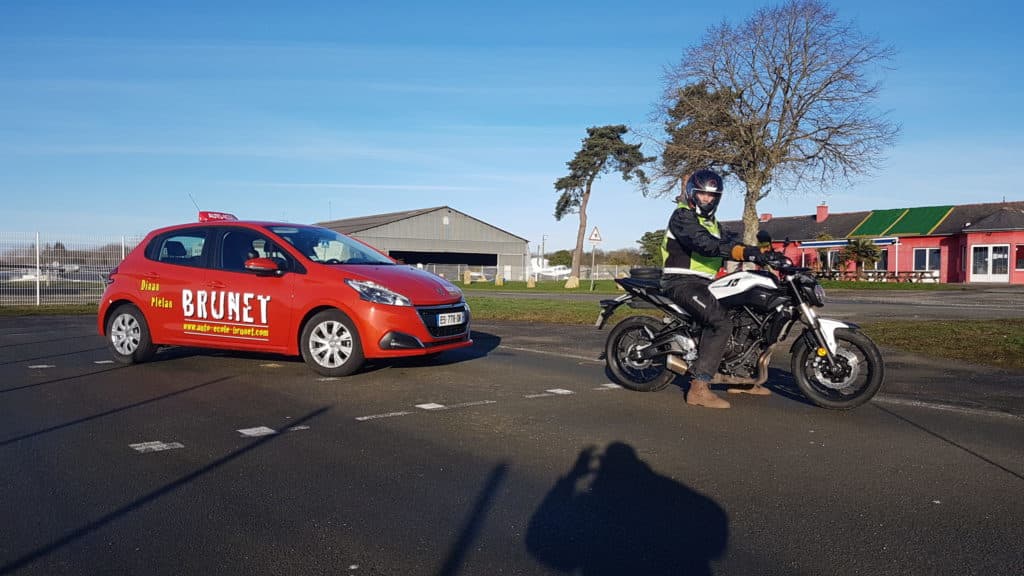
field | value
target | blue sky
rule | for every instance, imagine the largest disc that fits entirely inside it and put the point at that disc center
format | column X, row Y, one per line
column 113, row 113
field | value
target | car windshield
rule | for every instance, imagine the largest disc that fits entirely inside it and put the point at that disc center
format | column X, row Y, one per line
column 329, row 247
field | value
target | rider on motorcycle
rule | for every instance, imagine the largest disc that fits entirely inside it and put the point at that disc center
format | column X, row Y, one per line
column 693, row 251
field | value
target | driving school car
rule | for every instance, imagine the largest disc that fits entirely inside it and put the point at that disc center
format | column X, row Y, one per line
column 279, row 288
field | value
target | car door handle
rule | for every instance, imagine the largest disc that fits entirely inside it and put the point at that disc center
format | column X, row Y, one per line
column 215, row 284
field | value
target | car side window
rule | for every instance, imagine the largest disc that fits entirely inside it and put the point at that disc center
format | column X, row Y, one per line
column 184, row 248
column 239, row 244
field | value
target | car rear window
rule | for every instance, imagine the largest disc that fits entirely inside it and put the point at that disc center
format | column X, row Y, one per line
column 184, row 248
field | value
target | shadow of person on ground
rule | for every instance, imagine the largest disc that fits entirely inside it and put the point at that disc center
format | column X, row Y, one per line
column 612, row 515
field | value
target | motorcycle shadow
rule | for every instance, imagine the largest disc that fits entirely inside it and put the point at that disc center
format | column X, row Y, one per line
column 780, row 382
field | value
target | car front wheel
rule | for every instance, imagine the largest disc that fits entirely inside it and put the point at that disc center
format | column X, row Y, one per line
column 330, row 344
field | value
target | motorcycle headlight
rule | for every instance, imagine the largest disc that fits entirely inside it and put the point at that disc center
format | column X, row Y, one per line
column 373, row 292
column 819, row 295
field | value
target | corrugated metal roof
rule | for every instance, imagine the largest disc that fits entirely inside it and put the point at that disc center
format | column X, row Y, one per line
column 358, row 224
column 363, row 223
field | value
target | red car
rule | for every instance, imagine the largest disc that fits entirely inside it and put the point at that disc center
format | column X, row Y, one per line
column 275, row 287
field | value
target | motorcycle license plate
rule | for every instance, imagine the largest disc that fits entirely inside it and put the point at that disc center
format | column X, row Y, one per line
column 450, row 319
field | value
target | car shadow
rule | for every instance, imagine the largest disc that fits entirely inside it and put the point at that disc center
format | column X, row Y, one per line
column 612, row 514
column 483, row 344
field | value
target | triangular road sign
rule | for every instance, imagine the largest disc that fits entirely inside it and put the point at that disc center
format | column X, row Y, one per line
column 595, row 236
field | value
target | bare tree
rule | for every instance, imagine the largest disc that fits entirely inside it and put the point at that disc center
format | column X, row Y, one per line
column 603, row 151
column 784, row 100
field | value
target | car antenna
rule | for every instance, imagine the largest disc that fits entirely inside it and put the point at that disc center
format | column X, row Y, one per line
column 194, row 203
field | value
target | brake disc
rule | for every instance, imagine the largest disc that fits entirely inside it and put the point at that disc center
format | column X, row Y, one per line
column 824, row 374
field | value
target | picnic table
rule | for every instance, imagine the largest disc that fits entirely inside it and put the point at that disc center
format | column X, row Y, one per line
column 912, row 276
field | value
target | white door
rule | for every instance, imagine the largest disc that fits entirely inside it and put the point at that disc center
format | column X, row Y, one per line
column 990, row 263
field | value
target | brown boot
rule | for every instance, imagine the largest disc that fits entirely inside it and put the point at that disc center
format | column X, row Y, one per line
column 756, row 390
column 701, row 395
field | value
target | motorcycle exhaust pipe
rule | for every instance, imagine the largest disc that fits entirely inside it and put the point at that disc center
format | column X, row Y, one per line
column 676, row 364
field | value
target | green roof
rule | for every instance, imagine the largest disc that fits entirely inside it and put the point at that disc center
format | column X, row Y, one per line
column 902, row 222
column 919, row 221
column 878, row 222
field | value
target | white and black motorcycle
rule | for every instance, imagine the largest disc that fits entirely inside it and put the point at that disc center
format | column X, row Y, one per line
column 834, row 364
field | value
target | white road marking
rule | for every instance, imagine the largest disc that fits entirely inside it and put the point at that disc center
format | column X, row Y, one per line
column 560, row 391
column 297, row 428
column 103, row 362
column 376, row 416
column 541, row 395
column 548, row 353
column 430, row 406
column 328, row 379
column 608, row 386
column 270, row 365
column 41, row 366
column 157, row 446
column 947, row 407
column 257, row 431
column 474, row 403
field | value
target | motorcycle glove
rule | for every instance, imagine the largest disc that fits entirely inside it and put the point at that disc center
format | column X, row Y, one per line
column 748, row 254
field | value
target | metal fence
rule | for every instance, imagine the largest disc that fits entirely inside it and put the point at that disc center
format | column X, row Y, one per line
column 455, row 272
column 38, row 269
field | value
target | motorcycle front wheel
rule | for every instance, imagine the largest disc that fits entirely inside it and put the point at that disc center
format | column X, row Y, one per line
column 856, row 379
column 642, row 375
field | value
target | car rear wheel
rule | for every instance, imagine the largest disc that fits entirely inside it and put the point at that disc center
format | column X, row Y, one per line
column 330, row 344
column 128, row 335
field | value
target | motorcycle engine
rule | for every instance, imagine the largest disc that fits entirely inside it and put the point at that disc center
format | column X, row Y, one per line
column 746, row 333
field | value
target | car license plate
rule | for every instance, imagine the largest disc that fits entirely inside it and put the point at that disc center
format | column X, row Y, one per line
column 450, row 319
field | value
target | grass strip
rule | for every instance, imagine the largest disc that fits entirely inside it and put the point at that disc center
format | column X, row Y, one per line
column 995, row 343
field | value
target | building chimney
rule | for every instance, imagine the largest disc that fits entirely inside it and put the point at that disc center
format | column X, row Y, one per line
column 765, row 217
column 822, row 212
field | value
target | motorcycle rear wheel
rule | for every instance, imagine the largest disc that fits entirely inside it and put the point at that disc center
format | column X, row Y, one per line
column 648, row 375
column 859, row 378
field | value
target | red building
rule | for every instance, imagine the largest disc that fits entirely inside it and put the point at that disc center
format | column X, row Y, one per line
column 969, row 243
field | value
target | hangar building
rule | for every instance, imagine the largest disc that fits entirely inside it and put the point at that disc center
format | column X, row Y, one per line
column 443, row 240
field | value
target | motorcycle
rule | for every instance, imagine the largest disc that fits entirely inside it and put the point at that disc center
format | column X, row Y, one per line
column 834, row 364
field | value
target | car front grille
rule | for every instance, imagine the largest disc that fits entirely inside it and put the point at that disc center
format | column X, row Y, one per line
column 429, row 316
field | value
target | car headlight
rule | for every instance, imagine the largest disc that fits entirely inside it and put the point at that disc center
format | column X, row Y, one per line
column 373, row 292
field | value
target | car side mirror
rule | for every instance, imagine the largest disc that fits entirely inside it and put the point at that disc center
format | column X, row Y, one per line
column 264, row 266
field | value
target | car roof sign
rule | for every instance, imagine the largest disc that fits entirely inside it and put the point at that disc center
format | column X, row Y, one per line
column 207, row 216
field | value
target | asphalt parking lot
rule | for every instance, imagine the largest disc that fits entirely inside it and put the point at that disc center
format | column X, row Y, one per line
column 515, row 456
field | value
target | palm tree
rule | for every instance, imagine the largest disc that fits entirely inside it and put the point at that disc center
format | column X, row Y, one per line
column 861, row 251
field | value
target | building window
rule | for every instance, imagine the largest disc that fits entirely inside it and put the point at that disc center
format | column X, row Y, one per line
column 883, row 260
column 926, row 259
column 1019, row 257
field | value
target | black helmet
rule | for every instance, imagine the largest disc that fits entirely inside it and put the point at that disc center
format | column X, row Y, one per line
column 704, row 181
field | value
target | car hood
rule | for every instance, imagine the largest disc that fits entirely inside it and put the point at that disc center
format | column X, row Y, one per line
column 420, row 286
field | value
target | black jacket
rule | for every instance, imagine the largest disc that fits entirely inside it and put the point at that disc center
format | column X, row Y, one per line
column 691, row 247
